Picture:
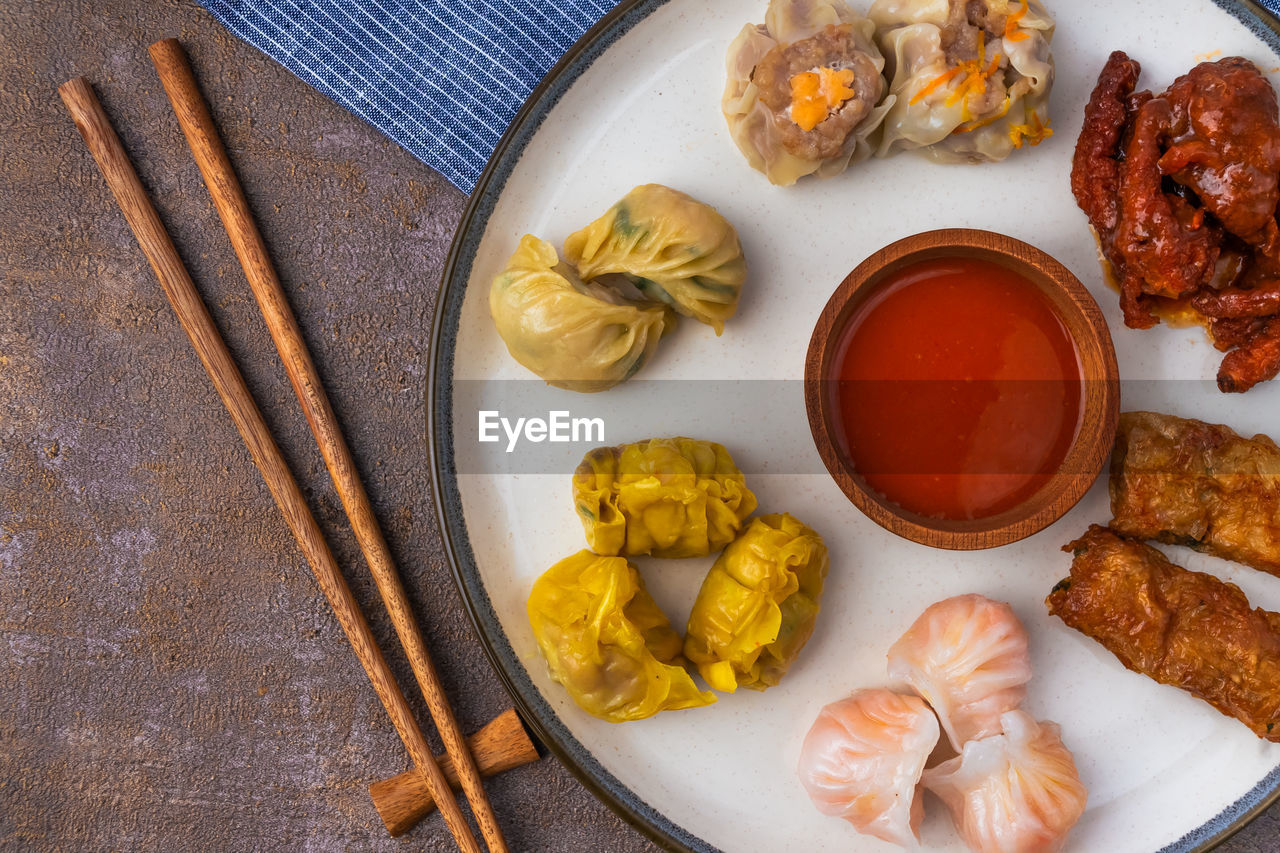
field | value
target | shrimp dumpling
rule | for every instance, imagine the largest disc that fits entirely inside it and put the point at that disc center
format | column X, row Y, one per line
column 1017, row 792
column 967, row 656
column 862, row 761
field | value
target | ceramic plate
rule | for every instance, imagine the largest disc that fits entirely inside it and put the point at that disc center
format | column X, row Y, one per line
column 638, row 102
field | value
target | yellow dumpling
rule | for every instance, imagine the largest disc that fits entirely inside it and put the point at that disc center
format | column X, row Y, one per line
column 574, row 335
column 668, row 497
column 673, row 248
column 758, row 605
column 607, row 642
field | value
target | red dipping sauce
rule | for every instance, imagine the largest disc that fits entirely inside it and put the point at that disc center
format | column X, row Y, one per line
column 959, row 389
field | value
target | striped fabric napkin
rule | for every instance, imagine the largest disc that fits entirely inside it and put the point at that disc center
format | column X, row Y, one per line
column 443, row 78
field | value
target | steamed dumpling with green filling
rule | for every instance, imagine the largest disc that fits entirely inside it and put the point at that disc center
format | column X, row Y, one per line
column 672, row 248
column 668, row 497
column 758, row 604
column 607, row 642
column 573, row 334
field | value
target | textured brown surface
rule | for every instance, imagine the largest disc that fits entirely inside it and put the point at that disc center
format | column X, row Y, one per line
column 170, row 677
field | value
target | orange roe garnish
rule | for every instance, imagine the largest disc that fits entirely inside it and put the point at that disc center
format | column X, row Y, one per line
column 1032, row 133
column 975, row 76
column 1011, row 23
column 815, row 95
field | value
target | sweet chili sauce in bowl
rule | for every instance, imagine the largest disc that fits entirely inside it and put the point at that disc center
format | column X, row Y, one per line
column 961, row 388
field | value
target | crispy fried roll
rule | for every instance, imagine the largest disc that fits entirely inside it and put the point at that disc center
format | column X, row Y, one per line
column 1186, row 482
column 1183, row 628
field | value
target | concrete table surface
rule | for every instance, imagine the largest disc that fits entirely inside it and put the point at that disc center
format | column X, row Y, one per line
column 170, row 676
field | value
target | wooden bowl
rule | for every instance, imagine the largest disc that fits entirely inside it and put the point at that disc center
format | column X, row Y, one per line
column 1100, row 405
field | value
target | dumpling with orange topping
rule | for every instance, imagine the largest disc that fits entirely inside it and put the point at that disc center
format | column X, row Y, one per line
column 971, row 77
column 805, row 94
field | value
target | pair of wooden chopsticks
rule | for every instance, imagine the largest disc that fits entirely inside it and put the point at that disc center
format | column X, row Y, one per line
column 202, row 136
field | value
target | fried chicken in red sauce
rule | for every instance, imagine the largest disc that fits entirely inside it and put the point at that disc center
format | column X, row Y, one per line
column 1165, row 244
column 1181, row 189
column 1225, row 144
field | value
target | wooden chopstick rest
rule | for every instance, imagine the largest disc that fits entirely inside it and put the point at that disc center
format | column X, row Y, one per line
column 403, row 800
column 233, row 208
column 104, row 144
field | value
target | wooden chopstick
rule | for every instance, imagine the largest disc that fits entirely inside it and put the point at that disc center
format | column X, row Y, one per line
column 228, row 197
column 403, row 800
column 104, row 144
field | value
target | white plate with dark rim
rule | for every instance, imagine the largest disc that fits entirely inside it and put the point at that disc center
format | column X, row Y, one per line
column 637, row 101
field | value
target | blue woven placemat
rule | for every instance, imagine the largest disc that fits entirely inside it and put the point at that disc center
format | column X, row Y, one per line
column 443, row 78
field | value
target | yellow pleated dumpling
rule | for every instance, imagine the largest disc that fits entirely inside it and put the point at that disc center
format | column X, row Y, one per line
column 758, row 604
column 573, row 334
column 667, row 497
column 607, row 642
column 672, row 248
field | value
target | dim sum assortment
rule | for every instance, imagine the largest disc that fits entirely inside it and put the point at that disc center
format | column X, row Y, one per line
column 1013, row 788
column 1184, row 209
column 862, row 760
column 603, row 636
column 666, row 497
column 967, row 657
column 674, row 249
column 757, row 605
column 606, row 641
column 592, row 322
column 970, row 79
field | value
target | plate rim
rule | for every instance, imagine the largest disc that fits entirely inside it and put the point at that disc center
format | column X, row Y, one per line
column 446, row 495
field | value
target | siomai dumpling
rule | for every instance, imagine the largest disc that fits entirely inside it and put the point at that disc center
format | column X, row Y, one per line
column 671, row 247
column 967, row 656
column 971, row 77
column 1017, row 792
column 575, row 335
column 862, row 761
column 668, row 497
column 804, row 92
column 607, row 642
column 758, row 604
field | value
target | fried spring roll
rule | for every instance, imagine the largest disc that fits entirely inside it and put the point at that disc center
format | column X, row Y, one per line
column 1179, row 627
column 1186, row 482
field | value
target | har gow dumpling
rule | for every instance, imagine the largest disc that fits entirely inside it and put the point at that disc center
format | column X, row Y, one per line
column 804, row 90
column 607, row 642
column 972, row 77
column 668, row 497
column 1017, row 792
column 757, row 605
column 862, row 761
column 574, row 335
column 967, row 656
column 671, row 247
